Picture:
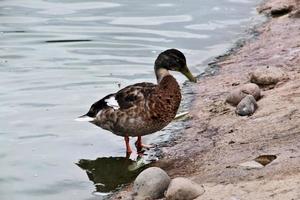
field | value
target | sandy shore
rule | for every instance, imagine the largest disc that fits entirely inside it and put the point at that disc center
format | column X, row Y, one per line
column 218, row 141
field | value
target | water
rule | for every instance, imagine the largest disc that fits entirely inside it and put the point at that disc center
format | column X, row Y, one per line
column 58, row 57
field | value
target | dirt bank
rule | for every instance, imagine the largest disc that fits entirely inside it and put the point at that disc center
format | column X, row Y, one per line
column 210, row 151
column 218, row 141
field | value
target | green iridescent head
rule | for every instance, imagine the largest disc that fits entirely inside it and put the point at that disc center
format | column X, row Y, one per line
column 174, row 60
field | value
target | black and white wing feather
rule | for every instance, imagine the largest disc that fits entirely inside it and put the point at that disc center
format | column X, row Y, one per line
column 125, row 98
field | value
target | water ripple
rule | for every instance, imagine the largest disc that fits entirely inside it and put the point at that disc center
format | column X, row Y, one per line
column 37, row 136
column 147, row 21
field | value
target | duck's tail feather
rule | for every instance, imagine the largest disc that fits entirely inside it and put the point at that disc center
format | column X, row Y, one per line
column 85, row 118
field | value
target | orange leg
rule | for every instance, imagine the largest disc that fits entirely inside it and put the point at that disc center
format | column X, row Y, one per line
column 139, row 145
column 128, row 149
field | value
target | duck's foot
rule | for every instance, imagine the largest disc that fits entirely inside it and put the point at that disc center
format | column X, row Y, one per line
column 140, row 146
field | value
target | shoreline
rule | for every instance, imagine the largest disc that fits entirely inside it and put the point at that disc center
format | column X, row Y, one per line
column 211, row 149
column 218, row 141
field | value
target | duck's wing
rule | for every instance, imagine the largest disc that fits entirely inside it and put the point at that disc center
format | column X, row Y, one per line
column 132, row 95
column 135, row 94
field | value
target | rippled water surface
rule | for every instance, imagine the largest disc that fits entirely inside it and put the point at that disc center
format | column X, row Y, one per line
column 59, row 56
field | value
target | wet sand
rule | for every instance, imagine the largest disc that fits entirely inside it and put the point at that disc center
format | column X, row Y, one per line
column 217, row 141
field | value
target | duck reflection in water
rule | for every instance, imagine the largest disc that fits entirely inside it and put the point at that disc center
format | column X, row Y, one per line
column 110, row 173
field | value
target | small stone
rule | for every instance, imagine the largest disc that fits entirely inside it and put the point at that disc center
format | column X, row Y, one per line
column 183, row 189
column 247, row 106
column 238, row 94
column 265, row 159
column 251, row 165
column 265, row 76
column 259, row 162
column 151, row 184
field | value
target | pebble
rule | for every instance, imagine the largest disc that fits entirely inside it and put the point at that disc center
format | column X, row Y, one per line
column 151, row 184
column 251, row 165
column 183, row 189
column 247, row 106
column 239, row 93
column 267, row 76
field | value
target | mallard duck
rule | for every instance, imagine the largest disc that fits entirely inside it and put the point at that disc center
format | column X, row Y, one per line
column 142, row 108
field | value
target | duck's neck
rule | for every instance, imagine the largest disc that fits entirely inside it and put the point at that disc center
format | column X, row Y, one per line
column 161, row 73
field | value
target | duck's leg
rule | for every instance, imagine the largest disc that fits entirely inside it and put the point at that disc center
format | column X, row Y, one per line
column 128, row 149
column 139, row 145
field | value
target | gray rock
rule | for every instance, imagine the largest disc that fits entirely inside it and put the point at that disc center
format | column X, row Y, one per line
column 267, row 76
column 239, row 93
column 151, row 184
column 251, row 165
column 183, row 189
column 247, row 106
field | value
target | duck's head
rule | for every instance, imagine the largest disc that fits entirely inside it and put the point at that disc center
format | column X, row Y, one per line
column 174, row 60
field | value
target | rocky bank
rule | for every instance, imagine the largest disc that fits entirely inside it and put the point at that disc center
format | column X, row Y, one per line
column 213, row 150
